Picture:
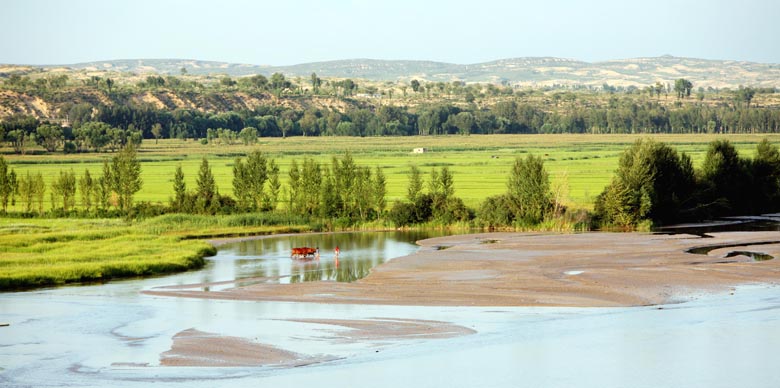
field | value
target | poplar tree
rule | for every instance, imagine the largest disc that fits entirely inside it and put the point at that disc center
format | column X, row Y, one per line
column 63, row 190
column 414, row 189
column 380, row 190
column 207, row 187
column 103, row 188
column 126, row 176
column 87, row 189
column 529, row 189
column 179, row 189
column 7, row 184
column 274, row 186
column 249, row 180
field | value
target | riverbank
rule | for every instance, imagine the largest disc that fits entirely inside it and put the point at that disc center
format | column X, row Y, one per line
column 43, row 252
column 537, row 269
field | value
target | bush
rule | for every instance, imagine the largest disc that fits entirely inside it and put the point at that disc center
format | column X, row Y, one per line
column 652, row 182
column 529, row 190
column 496, row 212
column 402, row 214
column 69, row 148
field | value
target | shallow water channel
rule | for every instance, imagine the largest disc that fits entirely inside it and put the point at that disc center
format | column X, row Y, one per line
column 112, row 335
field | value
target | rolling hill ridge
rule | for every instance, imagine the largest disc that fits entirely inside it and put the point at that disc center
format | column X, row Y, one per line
column 530, row 71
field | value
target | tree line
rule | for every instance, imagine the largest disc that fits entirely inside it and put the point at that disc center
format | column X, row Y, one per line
column 653, row 185
column 114, row 188
column 115, row 126
column 97, row 125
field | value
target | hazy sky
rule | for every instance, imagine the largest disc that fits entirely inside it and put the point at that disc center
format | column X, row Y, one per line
column 285, row 32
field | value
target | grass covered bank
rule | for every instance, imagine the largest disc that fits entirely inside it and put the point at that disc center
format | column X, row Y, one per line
column 48, row 252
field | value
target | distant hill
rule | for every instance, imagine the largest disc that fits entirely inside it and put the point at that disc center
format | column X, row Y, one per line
column 532, row 71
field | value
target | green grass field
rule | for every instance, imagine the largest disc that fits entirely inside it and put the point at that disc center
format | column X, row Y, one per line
column 46, row 252
column 583, row 164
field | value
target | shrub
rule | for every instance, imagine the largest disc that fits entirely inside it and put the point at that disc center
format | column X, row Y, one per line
column 495, row 212
column 652, row 182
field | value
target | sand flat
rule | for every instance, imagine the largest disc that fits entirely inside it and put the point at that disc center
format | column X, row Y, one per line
column 531, row 269
column 192, row 347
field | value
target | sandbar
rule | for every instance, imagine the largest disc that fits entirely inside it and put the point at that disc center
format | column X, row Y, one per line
column 595, row 269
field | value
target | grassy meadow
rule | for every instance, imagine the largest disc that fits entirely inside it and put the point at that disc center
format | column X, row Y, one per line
column 581, row 165
column 47, row 252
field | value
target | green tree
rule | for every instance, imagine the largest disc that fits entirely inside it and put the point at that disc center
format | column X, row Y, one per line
column 87, row 189
column 20, row 140
column 658, row 88
column 446, row 183
column 496, row 211
column 745, row 94
column 414, row 189
column 227, row 82
column 26, row 192
column 49, row 136
column 464, row 121
column 126, row 177
column 103, row 191
column 63, row 190
column 683, row 88
column 434, row 184
column 529, row 189
column 316, row 82
column 248, row 135
column 179, row 190
column 207, row 187
column 278, row 82
column 294, row 183
column 274, row 186
column 157, row 132
column 31, row 191
column 415, row 85
column 249, row 180
column 653, row 182
column 311, row 178
column 7, row 183
column 766, row 177
column 380, row 190
column 725, row 177
column 93, row 134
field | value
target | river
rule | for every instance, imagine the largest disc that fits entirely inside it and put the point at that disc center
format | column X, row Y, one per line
column 112, row 335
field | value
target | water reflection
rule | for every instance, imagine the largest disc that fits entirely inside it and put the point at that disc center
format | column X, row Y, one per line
column 269, row 259
column 756, row 256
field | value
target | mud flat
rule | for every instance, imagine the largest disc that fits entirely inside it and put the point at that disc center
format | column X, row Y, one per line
column 538, row 269
column 196, row 348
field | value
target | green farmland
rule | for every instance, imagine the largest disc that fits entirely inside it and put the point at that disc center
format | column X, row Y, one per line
column 580, row 164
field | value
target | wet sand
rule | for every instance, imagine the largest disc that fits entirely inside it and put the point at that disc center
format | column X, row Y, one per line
column 537, row 269
column 196, row 348
column 386, row 329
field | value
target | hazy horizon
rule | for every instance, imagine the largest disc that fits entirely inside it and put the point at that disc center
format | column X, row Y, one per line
column 51, row 32
column 368, row 59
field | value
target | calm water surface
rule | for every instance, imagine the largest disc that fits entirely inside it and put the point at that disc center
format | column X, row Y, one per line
column 111, row 335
